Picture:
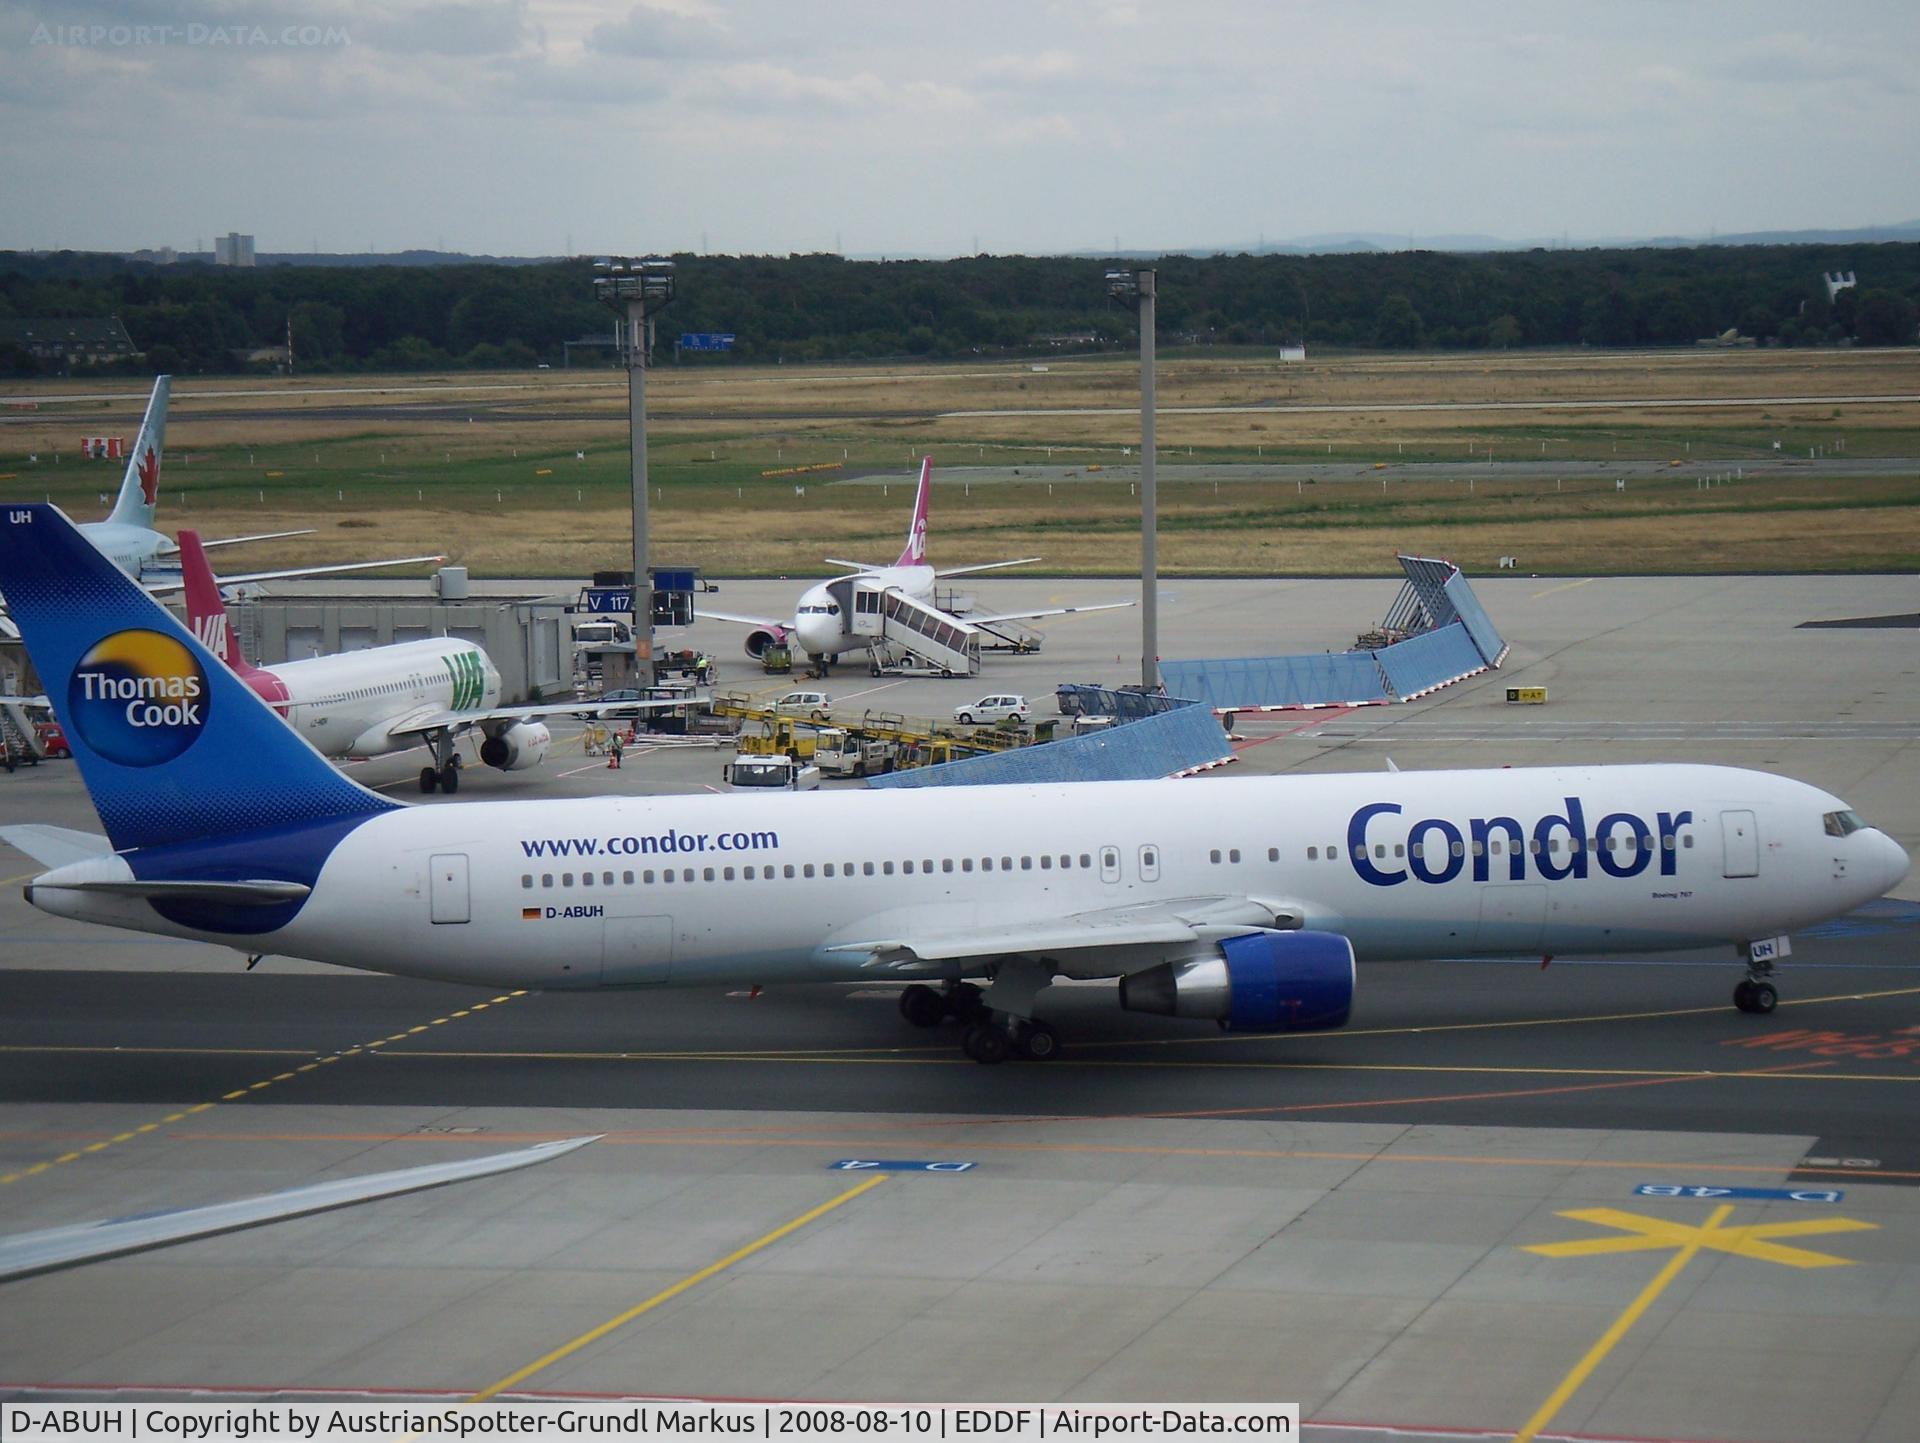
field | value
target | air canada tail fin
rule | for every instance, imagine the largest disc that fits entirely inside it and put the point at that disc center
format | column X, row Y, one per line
column 916, row 552
column 172, row 746
column 140, row 487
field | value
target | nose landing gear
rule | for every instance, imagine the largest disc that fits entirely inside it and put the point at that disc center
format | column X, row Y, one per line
column 1756, row 993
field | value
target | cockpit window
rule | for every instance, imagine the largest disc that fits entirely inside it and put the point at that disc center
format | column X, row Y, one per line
column 1841, row 824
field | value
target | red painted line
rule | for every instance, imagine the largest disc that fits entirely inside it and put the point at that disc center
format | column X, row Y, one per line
column 1333, row 714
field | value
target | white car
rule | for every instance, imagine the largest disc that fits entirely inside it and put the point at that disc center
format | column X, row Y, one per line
column 1004, row 708
column 814, row 704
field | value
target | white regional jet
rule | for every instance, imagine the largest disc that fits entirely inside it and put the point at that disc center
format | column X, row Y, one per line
column 382, row 699
column 881, row 604
column 1244, row 902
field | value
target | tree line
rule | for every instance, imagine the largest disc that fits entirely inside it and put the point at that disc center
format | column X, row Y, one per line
column 195, row 318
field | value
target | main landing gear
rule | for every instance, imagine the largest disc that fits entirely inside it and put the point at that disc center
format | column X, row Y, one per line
column 1757, row 993
column 445, row 771
column 988, row 1035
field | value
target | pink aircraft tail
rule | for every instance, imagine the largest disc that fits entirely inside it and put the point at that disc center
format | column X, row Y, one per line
column 206, row 612
column 916, row 552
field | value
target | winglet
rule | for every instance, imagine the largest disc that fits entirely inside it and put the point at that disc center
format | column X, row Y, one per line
column 140, row 487
column 916, row 552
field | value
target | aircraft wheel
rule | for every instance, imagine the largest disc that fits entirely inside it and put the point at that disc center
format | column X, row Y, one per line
column 964, row 1003
column 987, row 1043
column 450, row 779
column 922, row 1006
column 429, row 780
column 1039, row 1042
column 1759, row 998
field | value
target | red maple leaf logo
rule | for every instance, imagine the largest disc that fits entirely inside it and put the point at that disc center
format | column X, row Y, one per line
column 149, row 469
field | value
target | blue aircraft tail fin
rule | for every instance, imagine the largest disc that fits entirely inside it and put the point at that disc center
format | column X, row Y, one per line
column 172, row 746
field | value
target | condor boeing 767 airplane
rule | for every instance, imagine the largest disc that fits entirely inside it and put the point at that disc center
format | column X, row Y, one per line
column 1245, row 902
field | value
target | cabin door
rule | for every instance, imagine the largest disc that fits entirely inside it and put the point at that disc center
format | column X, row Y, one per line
column 1741, row 835
column 447, row 888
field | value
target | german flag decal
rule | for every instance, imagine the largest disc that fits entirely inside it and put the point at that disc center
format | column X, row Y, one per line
column 529, row 914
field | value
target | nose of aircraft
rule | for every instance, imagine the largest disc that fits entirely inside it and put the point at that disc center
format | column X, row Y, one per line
column 817, row 633
column 1893, row 862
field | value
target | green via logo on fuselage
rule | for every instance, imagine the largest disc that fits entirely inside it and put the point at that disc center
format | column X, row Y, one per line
column 469, row 679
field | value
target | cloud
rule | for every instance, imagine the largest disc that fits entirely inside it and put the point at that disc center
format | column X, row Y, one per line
column 653, row 32
column 1792, row 58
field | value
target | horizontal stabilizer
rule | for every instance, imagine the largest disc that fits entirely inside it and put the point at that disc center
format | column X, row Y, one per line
column 852, row 565
column 241, row 894
column 54, row 846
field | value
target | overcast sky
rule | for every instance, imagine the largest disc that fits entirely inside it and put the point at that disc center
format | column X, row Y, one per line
column 917, row 127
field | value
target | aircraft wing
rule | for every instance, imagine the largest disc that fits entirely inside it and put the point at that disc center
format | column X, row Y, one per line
column 705, row 615
column 983, row 566
column 158, row 587
column 1104, row 943
column 490, row 718
column 262, row 536
column 972, row 620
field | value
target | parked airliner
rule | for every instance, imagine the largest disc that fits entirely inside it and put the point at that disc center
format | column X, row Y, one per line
column 1242, row 901
column 383, row 699
column 127, row 536
column 849, row 612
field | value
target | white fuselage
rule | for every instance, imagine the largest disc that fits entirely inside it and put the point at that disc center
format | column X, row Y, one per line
column 820, row 625
column 759, row 888
column 133, row 549
column 348, row 703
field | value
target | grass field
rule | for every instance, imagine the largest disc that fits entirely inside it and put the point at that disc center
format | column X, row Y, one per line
column 536, row 482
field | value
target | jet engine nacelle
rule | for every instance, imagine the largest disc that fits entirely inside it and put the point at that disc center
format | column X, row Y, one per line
column 1260, row 982
column 522, row 745
column 762, row 637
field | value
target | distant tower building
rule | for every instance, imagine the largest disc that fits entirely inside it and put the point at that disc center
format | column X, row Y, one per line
column 233, row 249
column 1837, row 282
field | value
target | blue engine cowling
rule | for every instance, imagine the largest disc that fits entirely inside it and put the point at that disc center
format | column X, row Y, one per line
column 1259, row 982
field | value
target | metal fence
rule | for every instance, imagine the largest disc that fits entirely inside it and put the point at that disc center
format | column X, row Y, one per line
column 1157, row 746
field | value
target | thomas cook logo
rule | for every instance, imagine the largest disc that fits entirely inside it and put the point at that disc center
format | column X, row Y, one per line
column 138, row 698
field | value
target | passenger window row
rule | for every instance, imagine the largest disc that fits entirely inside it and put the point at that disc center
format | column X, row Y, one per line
column 926, row 866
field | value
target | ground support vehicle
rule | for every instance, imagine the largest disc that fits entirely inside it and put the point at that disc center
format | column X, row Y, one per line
column 771, row 771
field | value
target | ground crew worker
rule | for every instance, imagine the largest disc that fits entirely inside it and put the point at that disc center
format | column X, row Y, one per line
column 613, row 751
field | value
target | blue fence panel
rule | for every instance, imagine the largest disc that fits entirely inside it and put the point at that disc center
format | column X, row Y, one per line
column 1492, row 648
column 1332, row 678
column 1430, row 659
column 1156, row 746
column 1081, row 699
column 1428, row 579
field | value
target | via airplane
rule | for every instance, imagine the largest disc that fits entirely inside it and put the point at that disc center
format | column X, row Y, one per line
column 127, row 536
column 1244, row 902
column 881, row 605
column 383, row 699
